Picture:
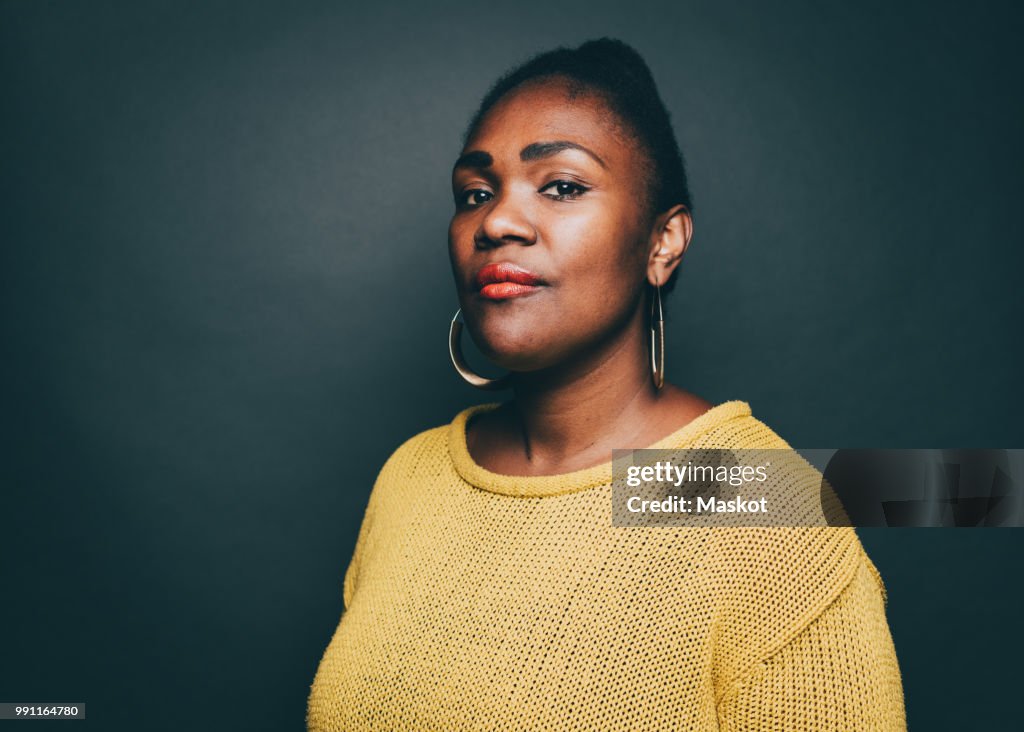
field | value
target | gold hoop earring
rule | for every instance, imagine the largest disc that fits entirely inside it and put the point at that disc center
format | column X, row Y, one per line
column 657, row 338
column 459, row 362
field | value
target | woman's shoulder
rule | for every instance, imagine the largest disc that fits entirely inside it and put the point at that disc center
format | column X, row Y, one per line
column 424, row 445
column 733, row 425
column 429, row 445
column 775, row 579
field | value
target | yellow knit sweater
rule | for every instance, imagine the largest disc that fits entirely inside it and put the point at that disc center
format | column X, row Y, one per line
column 480, row 601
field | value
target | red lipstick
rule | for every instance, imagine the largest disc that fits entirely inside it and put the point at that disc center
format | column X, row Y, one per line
column 502, row 280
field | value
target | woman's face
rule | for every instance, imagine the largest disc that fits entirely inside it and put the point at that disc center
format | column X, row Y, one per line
column 548, row 241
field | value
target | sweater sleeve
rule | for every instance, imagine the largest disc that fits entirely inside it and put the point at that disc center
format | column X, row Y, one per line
column 381, row 503
column 349, row 584
column 838, row 673
column 365, row 531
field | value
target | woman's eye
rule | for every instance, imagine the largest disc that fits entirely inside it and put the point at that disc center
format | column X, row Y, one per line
column 562, row 189
column 474, row 197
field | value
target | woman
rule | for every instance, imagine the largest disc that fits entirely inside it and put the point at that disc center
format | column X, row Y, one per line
column 488, row 589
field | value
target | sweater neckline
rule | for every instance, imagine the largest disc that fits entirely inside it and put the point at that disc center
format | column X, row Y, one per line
column 561, row 483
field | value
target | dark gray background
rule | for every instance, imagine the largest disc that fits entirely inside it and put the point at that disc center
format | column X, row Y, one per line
column 226, row 294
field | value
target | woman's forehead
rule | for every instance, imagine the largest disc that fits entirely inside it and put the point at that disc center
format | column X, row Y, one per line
column 545, row 113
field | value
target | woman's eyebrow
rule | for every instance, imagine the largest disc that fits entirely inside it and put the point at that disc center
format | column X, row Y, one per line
column 473, row 159
column 539, row 150
column 533, row 151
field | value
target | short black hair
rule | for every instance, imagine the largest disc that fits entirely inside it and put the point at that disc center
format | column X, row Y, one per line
column 618, row 74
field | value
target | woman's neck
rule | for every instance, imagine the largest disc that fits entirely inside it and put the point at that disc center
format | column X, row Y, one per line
column 571, row 417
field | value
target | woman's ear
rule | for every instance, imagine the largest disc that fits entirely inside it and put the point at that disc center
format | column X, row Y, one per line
column 669, row 240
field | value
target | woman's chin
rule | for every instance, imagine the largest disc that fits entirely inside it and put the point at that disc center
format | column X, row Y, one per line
column 515, row 338
column 511, row 353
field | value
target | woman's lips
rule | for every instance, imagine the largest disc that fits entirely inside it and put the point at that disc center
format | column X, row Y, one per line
column 502, row 280
column 503, row 290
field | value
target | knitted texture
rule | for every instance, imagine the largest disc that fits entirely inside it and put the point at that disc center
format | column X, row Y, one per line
column 479, row 601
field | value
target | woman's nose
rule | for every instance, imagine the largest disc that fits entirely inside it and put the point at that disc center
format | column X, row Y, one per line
column 506, row 221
